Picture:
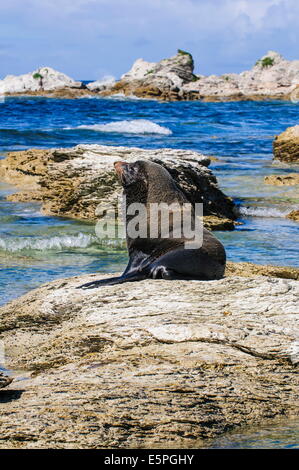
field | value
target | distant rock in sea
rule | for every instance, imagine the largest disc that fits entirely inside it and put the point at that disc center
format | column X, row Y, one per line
column 163, row 80
column 172, row 79
column 272, row 77
column 44, row 79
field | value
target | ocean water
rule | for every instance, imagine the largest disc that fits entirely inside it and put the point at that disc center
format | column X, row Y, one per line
column 280, row 434
column 35, row 248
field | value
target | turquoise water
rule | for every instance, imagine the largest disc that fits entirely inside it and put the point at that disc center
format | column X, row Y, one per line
column 282, row 434
column 35, row 249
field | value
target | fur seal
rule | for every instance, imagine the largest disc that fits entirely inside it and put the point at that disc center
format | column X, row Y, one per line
column 147, row 182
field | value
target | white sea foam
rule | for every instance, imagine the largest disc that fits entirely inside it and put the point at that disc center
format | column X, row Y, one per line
column 136, row 126
column 14, row 244
column 106, row 81
column 262, row 212
column 123, row 97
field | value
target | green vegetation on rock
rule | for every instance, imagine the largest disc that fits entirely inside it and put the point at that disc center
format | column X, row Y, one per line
column 265, row 62
column 182, row 52
column 37, row 76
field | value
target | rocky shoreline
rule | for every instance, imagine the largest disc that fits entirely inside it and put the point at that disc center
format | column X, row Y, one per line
column 272, row 77
column 286, row 145
column 122, row 367
column 131, row 366
column 80, row 182
column 173, row 79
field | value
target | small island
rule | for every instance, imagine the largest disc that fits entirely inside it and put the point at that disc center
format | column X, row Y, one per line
column 172, row 79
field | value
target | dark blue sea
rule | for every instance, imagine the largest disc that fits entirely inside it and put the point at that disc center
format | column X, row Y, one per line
column 35, row 249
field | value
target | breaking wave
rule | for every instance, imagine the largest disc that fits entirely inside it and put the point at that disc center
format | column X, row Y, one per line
column 136, row 126
column 262, row 212
column 14, row 244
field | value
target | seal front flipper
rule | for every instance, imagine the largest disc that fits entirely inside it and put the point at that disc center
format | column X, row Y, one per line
column 162, row 272
column 111, row 281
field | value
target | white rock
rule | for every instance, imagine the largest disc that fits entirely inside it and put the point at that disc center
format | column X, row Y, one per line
column 44, row 78
column 139, row 70
column 280, row 78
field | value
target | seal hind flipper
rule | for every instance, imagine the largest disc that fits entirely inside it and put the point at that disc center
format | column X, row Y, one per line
column 111, row 281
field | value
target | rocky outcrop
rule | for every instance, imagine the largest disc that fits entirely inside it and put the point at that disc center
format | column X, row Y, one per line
column 74, row 182
column 286, row 145
column 255, row 270
column 148, row 364
column 272, row 77
column 294, row 215
column 289, row 179
column 162, row 80
column 44, row 79
column 4, row 380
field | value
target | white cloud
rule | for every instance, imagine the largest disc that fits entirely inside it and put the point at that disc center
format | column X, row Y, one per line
column 88, row 36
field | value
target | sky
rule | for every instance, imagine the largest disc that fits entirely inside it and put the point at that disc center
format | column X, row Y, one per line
column 89, row 39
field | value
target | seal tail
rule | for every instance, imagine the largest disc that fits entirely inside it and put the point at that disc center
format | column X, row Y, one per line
column 111, row 281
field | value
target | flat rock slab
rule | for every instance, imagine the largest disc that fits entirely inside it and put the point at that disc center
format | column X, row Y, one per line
column 148, row 364
column 290, row 179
